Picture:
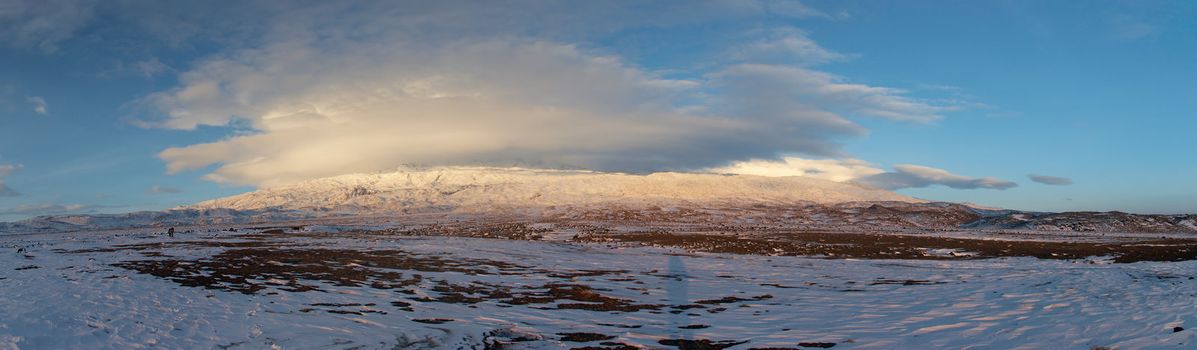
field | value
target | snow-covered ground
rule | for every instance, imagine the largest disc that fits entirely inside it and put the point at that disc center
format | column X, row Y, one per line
column 299, row 290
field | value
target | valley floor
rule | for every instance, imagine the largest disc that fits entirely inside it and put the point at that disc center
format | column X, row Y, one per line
column 322, row 287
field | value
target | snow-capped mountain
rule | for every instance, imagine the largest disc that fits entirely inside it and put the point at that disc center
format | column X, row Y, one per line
column 479, row 189
column 584, row 196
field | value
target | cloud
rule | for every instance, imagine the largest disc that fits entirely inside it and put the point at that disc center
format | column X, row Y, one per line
column 6, row 191
column 1128, row 28
column 8, row 169
column 775, row 89
column 855, row 170
column 147, row 68
column 5, row 170
column 795, row 9
column 47, row 209
column 151, row 67
column 42, row 24
column 38, row 104
column 828, row 169
column 915, row 176
column 1050, row 180
column 787, row 45
column 163, row 190
column 363, row 92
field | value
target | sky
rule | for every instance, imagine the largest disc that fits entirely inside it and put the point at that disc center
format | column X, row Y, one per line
column 118, row 106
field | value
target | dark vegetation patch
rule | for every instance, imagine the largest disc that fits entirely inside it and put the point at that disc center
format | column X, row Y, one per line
column 700, row 344
column 501, row 230
column 586, row 273
column 250, row 270
column 906, row 282
column 583, row 337
column 608, row 346
column 255, row 266
column 732, row 299
column 628, row 326
column 817, row 345
column 892, row 246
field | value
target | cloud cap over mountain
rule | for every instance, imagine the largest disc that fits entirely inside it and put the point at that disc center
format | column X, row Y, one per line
column 320, row 99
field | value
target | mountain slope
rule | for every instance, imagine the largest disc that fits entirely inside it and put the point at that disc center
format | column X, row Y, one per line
column 485, row 189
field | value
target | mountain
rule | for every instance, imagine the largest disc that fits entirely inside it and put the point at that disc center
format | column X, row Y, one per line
column 693, row 200
column 478, row 189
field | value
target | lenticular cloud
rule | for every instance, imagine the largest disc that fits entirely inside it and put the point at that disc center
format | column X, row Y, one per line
column 331, row 103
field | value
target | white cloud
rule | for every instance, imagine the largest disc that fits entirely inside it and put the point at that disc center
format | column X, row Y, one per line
column 38, row 104
column 828, row 169
column 795, row 9
column 1050, row 180
column 787, row 45
column 855, row 170
column 5, row 170
column 371, row 92
column 163, row 190
column 915, row 176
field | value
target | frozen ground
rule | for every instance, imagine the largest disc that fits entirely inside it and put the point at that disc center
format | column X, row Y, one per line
column 287, row 289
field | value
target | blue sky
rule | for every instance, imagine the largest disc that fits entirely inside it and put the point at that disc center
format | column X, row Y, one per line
column 150, row 105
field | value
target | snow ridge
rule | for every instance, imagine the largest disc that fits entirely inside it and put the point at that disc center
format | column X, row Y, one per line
column 484, row 189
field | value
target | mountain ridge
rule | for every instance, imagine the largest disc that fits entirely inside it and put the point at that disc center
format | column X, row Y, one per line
column 520, row 194
column 483, row 189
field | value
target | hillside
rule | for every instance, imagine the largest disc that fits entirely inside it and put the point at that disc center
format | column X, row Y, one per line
column 476, row 189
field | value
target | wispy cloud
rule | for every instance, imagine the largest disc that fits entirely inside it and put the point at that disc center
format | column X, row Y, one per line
column 42, row 24
column 916, row 176
column 798, row 9
column 787, row 45
column 47, row 209
column 162, row 190
column 1050, row 180
column 147, row 68
column 1129, row 28
column 38, row 104
column 5, row 170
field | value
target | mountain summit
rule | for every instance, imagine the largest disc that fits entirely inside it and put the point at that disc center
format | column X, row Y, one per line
column 476, row 189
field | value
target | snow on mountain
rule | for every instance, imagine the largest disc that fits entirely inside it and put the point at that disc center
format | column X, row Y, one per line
column 485, row 189
column 585, row 195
